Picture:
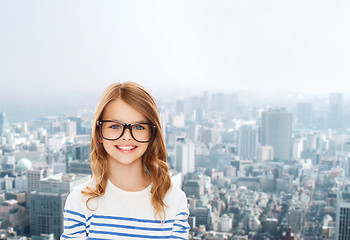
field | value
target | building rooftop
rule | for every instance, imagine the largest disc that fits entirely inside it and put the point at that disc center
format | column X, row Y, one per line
column 63, row 177
column 344, row 197
column 10, row 202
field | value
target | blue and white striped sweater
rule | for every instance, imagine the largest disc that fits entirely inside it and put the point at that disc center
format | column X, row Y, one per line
column 125, row 215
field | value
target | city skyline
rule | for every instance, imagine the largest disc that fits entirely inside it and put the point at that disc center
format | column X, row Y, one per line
column 29, row 109
column 239, row 181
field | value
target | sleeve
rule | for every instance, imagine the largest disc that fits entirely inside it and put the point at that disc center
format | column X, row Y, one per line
column 75, row 222
column 181, row 226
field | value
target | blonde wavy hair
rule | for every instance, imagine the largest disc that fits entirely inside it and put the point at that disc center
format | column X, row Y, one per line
column 154, row 159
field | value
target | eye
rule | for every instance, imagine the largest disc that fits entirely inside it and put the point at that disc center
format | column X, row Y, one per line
column 139, row 127
column 115, row 126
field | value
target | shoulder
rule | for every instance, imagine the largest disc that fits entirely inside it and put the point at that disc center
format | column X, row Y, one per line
column 78, row 190
column 175, row 197
column 175, row 192
column 76, row 197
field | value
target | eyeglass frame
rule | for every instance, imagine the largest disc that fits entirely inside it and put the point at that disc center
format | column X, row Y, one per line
column 125, row 126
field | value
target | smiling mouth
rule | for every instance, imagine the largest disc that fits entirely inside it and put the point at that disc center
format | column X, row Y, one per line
column 125, row 148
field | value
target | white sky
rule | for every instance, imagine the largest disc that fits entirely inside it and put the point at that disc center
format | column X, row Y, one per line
column 57, row 47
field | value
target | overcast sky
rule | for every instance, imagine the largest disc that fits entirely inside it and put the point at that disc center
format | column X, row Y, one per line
column 51, row 49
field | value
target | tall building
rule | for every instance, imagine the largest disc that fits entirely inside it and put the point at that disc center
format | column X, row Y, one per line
column 199, row 115
column 80, row 167
column 193, row 188
column 34, row 176
column 231, row 103
column 195, row 102
column 276, row 131
column 3, row 122
column 237, row 165
column 297, row 148
column 205, row 101
column 184, row 156
column 14, row 215
column 296, row 219
column 304, row 115
column 343, row 216
column 19, row 196
column 6, row 183
column 225, row 223
column 77, row 151
column 47, row 204
column 70, row 128
column 77, row 120
column 219, row 158
column 217, row 102
column 346, row 166
column 202, row 215
column 248, row 142
column 335, row 110
column 265, row 153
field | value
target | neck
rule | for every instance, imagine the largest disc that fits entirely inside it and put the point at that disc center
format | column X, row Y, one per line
column 131, row 177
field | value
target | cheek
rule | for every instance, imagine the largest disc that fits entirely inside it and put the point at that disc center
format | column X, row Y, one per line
column 144, row 148
column 107, row 146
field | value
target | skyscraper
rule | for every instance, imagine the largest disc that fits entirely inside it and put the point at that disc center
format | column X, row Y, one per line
column 335, row 110
column 77, row 151
column 3, row 122
column 184, row 156
column 34, row 176
column 78, row 121
column 70, row 128
column 217, row 102
column 296, row 218
column 248, row 142
column 14, row 215
column 304, row 115
column 343, row 216
column 230, row 104
column 276, row 131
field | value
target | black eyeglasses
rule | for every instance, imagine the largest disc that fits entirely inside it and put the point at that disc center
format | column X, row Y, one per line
column 113, row 130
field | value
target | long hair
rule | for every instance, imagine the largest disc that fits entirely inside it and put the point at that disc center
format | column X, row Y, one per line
column 155, row 157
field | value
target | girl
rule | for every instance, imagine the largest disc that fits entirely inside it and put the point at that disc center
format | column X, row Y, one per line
column 130, row 195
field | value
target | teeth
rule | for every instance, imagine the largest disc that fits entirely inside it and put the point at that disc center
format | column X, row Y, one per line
column 126, row 148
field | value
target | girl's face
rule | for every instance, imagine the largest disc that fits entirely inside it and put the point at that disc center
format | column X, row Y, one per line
column 125, row 150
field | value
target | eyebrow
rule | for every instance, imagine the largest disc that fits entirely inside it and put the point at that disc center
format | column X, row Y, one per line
column 140, row 121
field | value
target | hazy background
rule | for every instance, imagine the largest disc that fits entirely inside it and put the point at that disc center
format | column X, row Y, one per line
column 57, row 56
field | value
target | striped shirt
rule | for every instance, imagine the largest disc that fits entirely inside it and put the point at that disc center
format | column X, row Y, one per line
column 119, row 214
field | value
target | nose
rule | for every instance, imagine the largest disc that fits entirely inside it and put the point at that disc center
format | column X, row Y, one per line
column 127, row 134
